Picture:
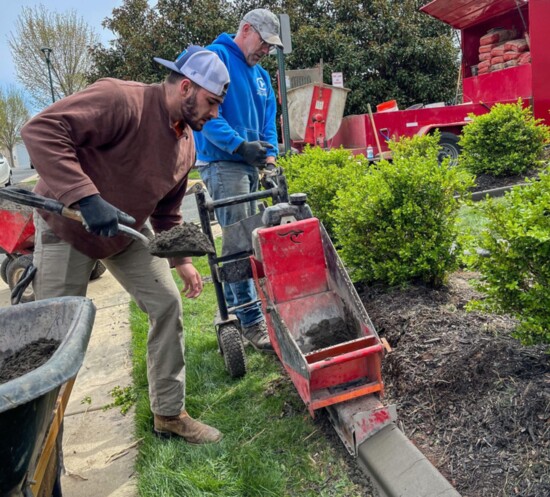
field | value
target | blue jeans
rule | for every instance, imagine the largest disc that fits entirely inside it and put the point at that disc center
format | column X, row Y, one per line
column 226, row 179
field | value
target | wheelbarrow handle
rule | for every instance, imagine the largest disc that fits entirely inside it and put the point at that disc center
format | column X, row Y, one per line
column 25, row 197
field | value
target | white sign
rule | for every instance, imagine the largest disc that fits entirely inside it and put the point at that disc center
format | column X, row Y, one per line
column 284, row 22
column 338, row 79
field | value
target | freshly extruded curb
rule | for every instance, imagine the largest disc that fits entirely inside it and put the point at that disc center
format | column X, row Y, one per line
column 399, row 469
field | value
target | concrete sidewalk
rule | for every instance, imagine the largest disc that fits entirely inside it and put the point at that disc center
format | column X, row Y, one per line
column 99, row 446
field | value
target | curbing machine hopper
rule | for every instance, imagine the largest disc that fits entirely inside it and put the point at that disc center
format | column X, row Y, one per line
column 316, row 321
column 315, row 112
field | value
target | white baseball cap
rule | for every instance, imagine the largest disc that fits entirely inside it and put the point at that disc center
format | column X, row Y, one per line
column 201, row 66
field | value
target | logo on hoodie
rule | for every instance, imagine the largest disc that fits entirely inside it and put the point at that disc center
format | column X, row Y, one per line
column 262, row 89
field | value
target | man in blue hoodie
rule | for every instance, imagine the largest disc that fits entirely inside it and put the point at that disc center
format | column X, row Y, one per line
column 231, row 147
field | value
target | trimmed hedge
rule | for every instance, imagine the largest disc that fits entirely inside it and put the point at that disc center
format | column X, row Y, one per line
column 320, row 174
column 505, row 142
column 396, row 221
column 515, row 275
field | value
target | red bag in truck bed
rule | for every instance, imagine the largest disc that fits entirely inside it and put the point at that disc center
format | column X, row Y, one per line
column 497, row 60
column 519, row 45
column 511, row 56
column 483, row 65
column 497, row 35
column 524, row 58
column 498, row 50
column 485, row 56
column 487, row 48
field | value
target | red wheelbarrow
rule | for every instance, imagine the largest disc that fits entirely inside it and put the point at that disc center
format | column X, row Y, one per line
column 17, row 243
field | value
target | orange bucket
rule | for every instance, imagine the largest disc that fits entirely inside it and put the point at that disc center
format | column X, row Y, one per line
column 388, row 106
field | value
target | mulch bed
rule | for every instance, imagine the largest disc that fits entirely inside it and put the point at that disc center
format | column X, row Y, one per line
column 487, row 182
column 473, row 400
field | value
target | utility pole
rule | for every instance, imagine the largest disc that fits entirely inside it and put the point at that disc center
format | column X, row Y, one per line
column 47, row 51
column 287, row 48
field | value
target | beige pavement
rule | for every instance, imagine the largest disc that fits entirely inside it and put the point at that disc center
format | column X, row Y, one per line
column 99, row 446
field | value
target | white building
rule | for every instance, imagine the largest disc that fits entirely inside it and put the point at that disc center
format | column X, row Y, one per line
column 21, row 157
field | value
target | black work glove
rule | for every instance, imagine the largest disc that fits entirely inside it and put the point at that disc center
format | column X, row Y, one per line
column 100, row 217
column 254, row 153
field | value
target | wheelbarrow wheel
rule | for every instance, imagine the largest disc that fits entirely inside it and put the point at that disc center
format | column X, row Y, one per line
column 232, row 350
column 4, row 269
column 97, row 271
column 16, row 268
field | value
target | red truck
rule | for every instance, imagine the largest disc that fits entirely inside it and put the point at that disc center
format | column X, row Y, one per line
column 483, row 24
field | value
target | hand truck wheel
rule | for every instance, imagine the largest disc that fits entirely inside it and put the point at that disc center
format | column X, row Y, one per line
column 232, row 350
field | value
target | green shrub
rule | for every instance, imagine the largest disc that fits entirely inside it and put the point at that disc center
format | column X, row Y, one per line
column 504, row 142
column 396, row 222
column 515, row 276
column 320, row 173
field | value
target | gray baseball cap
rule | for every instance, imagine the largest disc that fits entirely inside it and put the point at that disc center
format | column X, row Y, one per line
column 267, row 24
column 202, row 67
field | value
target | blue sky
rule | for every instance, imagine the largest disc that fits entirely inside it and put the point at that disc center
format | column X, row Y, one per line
column 92, row 11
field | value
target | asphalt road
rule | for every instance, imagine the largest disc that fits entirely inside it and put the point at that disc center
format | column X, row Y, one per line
column 19, row 175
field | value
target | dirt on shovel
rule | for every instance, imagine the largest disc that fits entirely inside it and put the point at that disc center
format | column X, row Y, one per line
column 185, row 240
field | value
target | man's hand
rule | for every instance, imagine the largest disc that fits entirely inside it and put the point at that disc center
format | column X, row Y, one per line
column 192, row 281
column 100, row 217
column 254, row 153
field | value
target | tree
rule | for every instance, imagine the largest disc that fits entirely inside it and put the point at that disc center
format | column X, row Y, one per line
column 143, row 32
column 386, row 49
column 67, row 35
column 13, row 115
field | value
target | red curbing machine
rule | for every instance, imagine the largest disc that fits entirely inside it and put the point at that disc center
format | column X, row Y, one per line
column 317, row 324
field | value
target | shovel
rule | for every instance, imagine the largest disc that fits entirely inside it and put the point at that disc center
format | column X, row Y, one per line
column 185, row 240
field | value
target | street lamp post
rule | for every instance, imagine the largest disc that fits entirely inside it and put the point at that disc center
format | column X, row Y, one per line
column 47, row 51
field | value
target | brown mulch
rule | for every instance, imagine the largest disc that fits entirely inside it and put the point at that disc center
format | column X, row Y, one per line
column 473, row 400
column 487, row 182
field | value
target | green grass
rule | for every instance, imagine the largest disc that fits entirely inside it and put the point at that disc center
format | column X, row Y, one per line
column 271, row 446
column 194, row 174
column 471, row 220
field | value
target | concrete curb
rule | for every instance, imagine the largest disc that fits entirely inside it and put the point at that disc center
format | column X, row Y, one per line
column 493, row 193
column 399, row 469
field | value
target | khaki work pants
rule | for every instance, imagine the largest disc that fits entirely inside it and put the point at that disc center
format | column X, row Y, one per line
column 64, row 271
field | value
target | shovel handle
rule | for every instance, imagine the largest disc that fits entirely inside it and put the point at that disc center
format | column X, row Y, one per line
column 132, row 233
column 126, row 230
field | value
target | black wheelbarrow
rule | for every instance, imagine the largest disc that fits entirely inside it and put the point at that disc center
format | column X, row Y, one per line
column 28, row 401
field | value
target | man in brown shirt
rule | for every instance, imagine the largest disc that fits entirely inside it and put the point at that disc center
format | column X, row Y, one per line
column 121, row 151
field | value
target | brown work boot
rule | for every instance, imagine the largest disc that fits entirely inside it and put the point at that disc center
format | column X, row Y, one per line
column 186, row 427
column 256, row 335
